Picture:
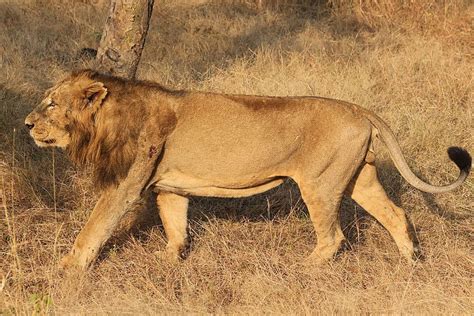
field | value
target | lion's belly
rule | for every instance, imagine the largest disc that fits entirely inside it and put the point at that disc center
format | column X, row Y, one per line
column 177, row 182
column 209, row 168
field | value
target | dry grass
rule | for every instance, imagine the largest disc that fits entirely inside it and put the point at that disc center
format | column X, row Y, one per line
column 410, row 61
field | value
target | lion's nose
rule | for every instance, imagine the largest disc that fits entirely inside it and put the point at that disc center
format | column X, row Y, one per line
column 29, row 120
column 29, row 126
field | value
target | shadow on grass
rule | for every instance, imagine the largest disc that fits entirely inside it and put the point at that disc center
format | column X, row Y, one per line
column 188, row 41
column 284, row 201
column 33, row 165
column 276, row 205
column 394, row 187
column 12, row 114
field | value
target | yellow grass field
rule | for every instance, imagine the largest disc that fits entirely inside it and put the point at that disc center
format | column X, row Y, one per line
column 409, row 61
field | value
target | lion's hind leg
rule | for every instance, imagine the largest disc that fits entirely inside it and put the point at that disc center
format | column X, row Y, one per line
column 323, row 209
column 173, row 210
column 322, row 186
column 322, row 196
column 366, row 190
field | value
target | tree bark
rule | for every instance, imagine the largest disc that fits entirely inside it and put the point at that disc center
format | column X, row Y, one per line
column 119, row 53
column 124, row 36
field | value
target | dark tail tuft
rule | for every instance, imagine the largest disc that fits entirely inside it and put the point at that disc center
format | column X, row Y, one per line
column 461, row 158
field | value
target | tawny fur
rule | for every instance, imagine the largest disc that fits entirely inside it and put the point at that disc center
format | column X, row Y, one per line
column 139, row 135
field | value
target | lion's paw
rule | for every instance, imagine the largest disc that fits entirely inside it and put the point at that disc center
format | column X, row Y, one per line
column 70, row 263
column 314, row 260
column 168, row 256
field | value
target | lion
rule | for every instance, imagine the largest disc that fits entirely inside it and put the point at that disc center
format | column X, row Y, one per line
column 141, row 136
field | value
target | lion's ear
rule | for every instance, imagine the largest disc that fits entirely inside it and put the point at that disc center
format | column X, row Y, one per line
column 94, row 94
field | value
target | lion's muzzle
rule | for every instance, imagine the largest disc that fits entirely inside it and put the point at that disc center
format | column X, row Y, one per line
column 29, row 123
column 30, row 120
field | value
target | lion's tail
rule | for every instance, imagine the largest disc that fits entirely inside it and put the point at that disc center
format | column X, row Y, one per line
column 458, row 155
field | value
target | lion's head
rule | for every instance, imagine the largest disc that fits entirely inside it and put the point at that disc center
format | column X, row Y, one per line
column 82, row 114
column 74, row 99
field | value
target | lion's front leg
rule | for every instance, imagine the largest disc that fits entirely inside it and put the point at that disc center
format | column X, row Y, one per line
column 173, row 213
column 98, row 229
column 116, row 201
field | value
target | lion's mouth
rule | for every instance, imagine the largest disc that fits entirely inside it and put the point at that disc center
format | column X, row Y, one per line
column 48, row 141
column 44, row 139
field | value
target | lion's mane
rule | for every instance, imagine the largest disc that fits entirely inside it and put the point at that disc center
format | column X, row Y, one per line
column 107, row 138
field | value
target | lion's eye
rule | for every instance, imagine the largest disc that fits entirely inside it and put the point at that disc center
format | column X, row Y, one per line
column 51, row 105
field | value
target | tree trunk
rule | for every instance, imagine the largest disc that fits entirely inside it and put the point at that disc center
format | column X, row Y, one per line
column 124, row 36
column 118, row 54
